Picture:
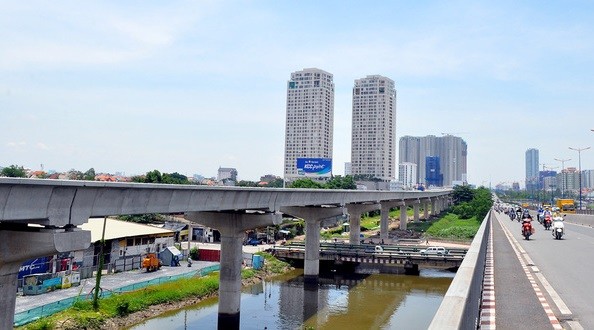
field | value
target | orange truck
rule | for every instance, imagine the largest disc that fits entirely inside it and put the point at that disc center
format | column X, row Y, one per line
column 566, row 205
column 151, row 262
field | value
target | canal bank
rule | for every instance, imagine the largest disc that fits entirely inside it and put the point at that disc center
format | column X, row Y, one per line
column 375, row 301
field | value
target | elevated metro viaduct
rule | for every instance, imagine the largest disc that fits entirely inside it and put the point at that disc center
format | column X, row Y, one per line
column 42, row 217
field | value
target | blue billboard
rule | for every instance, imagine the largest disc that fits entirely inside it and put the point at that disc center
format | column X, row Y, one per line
column 314, row 167
column 34, row 266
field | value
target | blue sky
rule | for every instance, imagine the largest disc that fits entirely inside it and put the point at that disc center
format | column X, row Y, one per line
column 189, row 86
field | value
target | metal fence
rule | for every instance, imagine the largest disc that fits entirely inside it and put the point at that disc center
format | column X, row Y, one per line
column 36, row 313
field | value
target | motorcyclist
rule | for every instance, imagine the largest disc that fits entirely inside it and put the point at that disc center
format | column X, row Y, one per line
column 526, row 223
column 547, row 211
column 539, row 214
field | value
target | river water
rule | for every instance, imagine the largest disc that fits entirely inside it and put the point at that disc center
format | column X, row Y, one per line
column 379, row 301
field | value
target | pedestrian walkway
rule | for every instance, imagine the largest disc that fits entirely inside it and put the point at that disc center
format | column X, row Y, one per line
column 518, row 298
column 51, row 302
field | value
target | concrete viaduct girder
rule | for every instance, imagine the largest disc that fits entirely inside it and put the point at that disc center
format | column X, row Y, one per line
column 63, row 205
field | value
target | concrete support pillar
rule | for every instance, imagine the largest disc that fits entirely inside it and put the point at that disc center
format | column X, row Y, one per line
column 384, row 220
column 403, row 216
column 434, row 207
column 355, row 211
column 426, row 209
column 416, row 207
column 20, row 246
column 311, row 265
column 232, row 227
column 313, row 216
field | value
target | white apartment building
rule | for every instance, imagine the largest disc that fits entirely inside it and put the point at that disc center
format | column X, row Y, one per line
column 407, row 175
column 310, row 118
column 373, row 139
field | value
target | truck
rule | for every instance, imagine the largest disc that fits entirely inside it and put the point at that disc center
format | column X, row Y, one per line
column 151, row 262
column 566, row 205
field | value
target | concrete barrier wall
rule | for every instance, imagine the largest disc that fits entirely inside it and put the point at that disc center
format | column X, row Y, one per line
column 460, row 308
column 580, row 219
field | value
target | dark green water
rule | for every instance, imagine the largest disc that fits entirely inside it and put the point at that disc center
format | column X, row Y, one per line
column 354, row 302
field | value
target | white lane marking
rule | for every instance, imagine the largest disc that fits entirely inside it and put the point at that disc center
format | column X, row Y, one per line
column 563, row 309
column 575, row 325
column 521, row 256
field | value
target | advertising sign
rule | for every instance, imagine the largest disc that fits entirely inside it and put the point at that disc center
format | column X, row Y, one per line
column 34, row 266
column 314, row 167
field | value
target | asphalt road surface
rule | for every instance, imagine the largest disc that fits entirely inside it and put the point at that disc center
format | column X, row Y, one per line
column 562, row 269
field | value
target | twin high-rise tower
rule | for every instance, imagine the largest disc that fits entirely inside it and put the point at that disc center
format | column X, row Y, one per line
column 310, row 123
column 309, row 132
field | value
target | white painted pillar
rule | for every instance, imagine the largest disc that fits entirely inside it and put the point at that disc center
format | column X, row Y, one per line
column 425, row 210
column 403, row 216
column 313, row 217
column 232, row 227
column 384, row 221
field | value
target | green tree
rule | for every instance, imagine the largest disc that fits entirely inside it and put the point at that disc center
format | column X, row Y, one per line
column 14, row 171
column 306, row 183
column 462, row 194
column 245, row 183
column 340, row 182
column 89, row 175
column 276, row 183
column 174, row 178
column 143, row 218
column 366, row 177
column 75, row 175
column 153, row 176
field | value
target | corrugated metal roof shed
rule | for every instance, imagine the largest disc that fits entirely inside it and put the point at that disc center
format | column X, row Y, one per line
column 121, row 229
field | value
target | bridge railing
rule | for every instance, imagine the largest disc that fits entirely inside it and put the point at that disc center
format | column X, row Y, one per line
column 460, row 307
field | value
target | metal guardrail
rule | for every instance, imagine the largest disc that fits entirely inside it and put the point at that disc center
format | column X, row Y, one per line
column 36, row 313
column 367, row 248
column 460, row 306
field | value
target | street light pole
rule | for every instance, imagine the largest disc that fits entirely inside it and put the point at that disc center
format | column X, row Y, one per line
column 579, row 150
column 563, row 178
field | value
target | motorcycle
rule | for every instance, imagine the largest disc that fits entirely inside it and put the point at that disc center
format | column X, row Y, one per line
column 547, row 222
column 527, row 230
column 558, row 227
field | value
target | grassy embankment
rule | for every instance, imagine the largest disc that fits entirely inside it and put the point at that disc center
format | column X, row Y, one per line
column 82, row 315
column 449, row 226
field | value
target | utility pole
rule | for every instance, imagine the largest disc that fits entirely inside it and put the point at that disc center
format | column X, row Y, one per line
column 563, row 175
column 579, row 150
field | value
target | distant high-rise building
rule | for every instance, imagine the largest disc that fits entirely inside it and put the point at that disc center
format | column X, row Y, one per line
column 433, row 175
column 451, row 150
column 588, row 179
column 407, row 175
column 531, row 169
column 309, row 119
column 348, row 169
column 373, row 139
column 543, row 182
column 226, row 173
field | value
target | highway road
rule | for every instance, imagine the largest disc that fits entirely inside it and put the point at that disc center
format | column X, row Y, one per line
column 563, row 268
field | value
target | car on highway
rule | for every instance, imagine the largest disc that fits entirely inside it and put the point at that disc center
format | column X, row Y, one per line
column 435, row 250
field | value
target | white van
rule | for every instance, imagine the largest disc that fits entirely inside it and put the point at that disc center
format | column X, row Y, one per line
column 438, row 250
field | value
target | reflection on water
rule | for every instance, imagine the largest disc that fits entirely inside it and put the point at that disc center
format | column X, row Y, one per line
column 378, row 301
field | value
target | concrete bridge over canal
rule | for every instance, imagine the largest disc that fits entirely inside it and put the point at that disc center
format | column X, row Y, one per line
column 42, row 217
column 367, row 259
